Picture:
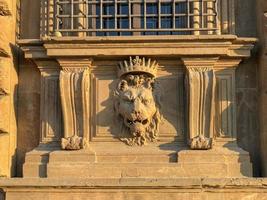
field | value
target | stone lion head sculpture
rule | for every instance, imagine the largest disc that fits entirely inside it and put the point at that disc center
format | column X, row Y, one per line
column 137, row 104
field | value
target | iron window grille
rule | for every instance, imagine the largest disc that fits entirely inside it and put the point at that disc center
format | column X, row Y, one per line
column 136, row 17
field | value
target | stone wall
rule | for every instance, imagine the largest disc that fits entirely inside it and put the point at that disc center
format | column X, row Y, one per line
column 8, row 87
column 246, row 86
column 28, row 111
column 135, row 188
column 2, row 195
column 262, row 32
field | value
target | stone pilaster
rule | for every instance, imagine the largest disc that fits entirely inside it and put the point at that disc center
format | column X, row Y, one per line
column 50, row 110
column 74, row 93
column 200, row 86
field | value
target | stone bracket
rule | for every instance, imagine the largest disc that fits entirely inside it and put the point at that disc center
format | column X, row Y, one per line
column 74, row 93
column 200, row 84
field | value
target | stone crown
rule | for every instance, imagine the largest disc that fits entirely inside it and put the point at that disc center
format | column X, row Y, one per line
column 138, row 65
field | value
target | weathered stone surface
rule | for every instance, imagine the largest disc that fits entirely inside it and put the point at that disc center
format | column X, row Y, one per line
column 2, row 195
column 245, row 9
column 135, row 188
column 262, row 75
column 8, row 26
column 200, row 88
column 8, row 88
column 5, row 8
column 77, row 96
column 28, row 112
column 247, row 123
column 74, row 93
column 137, row 101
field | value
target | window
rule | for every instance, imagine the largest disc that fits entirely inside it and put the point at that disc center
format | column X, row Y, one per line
column 134, row 17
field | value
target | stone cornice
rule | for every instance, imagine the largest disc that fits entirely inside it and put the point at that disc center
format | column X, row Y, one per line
column 224, row 45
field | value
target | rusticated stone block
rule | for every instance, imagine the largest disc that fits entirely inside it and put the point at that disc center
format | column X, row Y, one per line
column 4, row 8
column 4, row 115
column 4, row 77
column 5, row 33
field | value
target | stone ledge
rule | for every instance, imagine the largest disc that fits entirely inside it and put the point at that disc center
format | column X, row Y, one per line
column 220, row 183
column 210, row 45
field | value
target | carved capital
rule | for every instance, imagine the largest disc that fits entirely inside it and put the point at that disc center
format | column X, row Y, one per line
column 200, row 87
column 74, row 93
column 74, row 64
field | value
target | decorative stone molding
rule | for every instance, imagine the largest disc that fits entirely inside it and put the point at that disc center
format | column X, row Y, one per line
column 137, row 101
column 200, row 85
column 74, row 93
column 50, row 111
column 225, row 107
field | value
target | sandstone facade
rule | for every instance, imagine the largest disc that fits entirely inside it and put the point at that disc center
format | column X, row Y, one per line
column 8, row 88
column 124, row 117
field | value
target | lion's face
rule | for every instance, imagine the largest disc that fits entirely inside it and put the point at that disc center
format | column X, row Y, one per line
column 137, row 107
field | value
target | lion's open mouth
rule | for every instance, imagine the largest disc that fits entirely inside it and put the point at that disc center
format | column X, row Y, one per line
column 144, row 122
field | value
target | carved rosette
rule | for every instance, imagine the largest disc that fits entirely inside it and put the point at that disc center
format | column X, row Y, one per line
column 137, row 101
column 74, row 93
column 200, row 86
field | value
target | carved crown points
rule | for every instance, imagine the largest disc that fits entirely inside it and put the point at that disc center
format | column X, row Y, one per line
column 138, row 65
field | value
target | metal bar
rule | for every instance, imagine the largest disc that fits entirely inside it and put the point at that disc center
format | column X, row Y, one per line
column 173, row 14
column 138, row 30
column 148, row 15
column 145, row 14
column 202, row 14
column 203, row 19
column 115, row 14
column 101, row 14
column 71, row 11
column 130, row 14
column 159, row 14
column 188, row 14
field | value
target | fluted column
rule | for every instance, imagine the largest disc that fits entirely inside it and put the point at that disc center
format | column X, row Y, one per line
column 74, row 93
column 200, row 87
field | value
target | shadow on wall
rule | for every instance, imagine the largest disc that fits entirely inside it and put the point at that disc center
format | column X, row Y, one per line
column 28, row 111
column 248, row 136
column 108, row 122
column 243, row 160
column 2, row 194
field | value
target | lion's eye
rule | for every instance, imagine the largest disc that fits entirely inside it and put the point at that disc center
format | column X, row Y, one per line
column 146, row 101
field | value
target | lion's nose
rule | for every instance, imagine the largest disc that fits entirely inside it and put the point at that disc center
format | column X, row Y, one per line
column 137, row 107
column 137, row 112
